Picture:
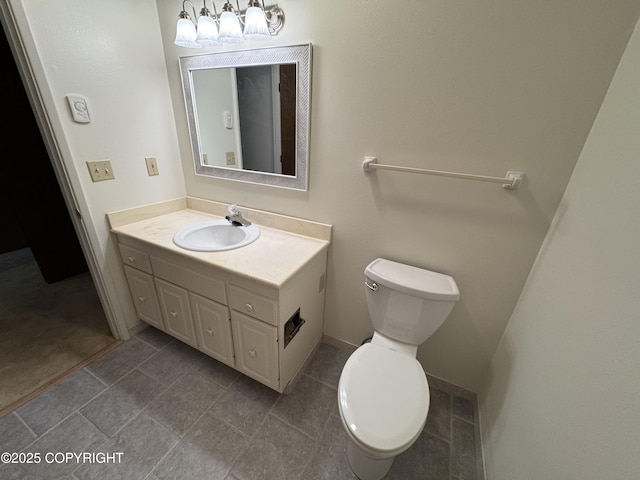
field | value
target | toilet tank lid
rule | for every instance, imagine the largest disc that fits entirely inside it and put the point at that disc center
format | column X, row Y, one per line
column 413, row 280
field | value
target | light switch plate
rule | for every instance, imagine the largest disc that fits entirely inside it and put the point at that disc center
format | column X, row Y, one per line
column 100, row 170
column 152, row 166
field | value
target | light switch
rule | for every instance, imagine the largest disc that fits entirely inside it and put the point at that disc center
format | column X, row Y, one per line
column 228, row 120
column 100, row 170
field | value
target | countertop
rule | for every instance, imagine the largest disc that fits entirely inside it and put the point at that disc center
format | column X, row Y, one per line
column 273, row 258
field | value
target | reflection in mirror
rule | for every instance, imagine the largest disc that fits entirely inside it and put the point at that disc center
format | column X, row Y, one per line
column 248, row 114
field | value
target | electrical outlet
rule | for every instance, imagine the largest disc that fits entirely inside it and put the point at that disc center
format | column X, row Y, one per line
column 231, row 158
column 100, row 170
column 205, row 159
column 152, row 166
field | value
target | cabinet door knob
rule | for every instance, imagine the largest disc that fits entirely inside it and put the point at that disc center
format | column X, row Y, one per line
column 142, row 299
column 210, row 332
column 131, row 259
column 252, row 353
column 173, row 314
column 248, row 307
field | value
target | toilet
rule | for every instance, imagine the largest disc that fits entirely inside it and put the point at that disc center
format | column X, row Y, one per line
column 383, row 394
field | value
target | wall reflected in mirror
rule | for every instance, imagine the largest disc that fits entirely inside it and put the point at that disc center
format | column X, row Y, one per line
column 247, row 117
column 248, row 114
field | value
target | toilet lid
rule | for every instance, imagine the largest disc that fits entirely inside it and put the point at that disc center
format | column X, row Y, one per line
column 383, row 397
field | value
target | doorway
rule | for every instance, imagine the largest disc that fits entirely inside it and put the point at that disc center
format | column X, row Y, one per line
column 48, row 304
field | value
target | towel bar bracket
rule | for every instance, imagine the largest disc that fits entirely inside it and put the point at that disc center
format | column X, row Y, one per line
column 511, row 181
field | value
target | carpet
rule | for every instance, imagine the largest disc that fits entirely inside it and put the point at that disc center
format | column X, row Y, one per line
column 46, row 330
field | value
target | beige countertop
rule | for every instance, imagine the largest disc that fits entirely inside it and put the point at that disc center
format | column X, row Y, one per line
column 273, row 258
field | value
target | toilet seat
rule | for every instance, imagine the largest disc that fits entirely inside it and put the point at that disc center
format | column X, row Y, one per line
column 383, row 397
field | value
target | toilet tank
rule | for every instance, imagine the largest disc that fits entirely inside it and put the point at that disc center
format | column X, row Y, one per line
column 408, row 303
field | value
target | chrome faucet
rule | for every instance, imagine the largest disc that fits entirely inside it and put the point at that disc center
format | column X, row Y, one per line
column 236, row 218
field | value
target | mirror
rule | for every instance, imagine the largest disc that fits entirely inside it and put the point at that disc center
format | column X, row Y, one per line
column 248, row 113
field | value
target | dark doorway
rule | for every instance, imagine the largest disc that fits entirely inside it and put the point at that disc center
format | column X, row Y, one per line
column 33, row 205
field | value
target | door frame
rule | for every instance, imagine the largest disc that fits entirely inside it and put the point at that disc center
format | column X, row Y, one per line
column 30, row 69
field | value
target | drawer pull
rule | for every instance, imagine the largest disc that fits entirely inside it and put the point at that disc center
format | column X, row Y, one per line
column 252, row 353
column 142, row 299
column 210, row 332
column 248, row 307
column 131, row 259
column 173, row 314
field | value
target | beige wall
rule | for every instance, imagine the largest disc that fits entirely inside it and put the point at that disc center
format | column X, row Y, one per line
column 476, row 87
column 111, row 53
column 561, row 399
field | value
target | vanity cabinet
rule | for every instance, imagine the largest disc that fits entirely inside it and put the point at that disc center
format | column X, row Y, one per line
column 174, row 304
column 264, row 331
column 137, row 269
column 213, row 329
column 256, row 347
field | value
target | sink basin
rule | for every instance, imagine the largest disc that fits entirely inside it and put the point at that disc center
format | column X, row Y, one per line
column 215, row 236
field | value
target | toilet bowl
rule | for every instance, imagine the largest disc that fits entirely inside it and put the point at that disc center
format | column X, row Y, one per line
column 383, row 394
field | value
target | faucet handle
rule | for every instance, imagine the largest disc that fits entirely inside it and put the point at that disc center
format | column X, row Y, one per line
column 233, row 209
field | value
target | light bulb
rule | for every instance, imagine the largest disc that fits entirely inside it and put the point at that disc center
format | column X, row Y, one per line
column 230, row 31
column 255, row 25
column 186, row 34
column 207, row 31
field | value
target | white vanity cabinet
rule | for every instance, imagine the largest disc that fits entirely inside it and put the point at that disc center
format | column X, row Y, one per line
column 256, row 347
column 213, row 329
column 174, row 303
column 137, row 269
column 266, row 331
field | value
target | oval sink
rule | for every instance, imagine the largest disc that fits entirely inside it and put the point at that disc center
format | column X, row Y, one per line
column 215, row 236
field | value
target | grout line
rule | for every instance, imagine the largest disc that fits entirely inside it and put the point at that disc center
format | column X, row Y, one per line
column 26, row 425
column 87, row 370
column 179, row 439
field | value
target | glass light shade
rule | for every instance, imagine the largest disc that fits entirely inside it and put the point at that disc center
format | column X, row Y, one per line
column 207, row 32
column 186, row 34
column 230, row 31
column 255, row 25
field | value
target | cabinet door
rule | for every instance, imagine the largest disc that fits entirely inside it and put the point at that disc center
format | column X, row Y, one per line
column 144, row 297
column 213, row 328
column 256, row 349
column 174, row 302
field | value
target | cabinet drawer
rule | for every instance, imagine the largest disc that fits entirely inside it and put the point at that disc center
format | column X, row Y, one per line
column 135, row 258
column 254, row 305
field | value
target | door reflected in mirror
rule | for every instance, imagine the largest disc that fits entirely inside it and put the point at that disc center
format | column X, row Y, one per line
column 248, row 114
column 247, row 117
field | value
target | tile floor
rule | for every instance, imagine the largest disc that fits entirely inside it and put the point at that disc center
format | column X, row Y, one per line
column 166, row 411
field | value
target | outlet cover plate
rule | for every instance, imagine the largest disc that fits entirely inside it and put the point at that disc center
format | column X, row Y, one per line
column 152, row 166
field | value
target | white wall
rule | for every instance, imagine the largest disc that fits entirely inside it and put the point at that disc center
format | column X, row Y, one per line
column 110, row 52
column 562, row 397
column 476, row 87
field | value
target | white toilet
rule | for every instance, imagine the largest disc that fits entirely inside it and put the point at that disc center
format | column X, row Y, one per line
column 383, row 395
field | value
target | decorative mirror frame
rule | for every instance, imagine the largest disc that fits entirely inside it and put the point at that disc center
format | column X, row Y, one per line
column 298, row 54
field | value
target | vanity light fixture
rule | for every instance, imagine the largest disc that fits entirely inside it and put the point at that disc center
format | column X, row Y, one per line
column 259, row 22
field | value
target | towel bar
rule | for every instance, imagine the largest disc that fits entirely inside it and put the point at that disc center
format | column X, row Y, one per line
column 511, row 181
